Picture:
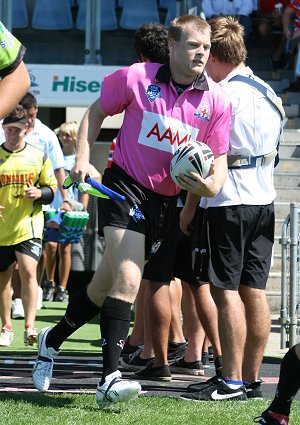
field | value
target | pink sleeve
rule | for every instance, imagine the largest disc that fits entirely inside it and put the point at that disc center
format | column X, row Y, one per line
column 115, row 95
column 219, row 140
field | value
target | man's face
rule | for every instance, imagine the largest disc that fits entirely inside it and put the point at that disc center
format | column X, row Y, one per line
column 31, row 114
column 14, row 135
column 189, row 55
column 212, row 69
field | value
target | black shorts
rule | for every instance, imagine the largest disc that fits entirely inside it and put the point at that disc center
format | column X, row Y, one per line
column 178, row 254
column 31, row 247
column 143, row 211
column 241, row 240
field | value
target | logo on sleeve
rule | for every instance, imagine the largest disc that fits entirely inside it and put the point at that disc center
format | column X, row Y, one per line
column 153, row 92
column 136, row 213
column 203, row 112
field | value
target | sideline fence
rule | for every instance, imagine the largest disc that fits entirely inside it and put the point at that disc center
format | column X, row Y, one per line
column 290, row 278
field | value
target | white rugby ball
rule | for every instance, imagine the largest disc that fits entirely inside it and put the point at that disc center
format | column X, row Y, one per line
column 191, row 156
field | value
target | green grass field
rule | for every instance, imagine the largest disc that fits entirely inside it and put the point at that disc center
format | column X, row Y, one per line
column 74, row 409
column 85, row 340
column 67, row 409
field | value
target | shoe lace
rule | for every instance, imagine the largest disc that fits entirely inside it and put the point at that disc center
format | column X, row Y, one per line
column 31, row 331
column 135, row 354
column 61, row 290
column 5, row 330
column 43, row 366
column 213, row 379
column 108, row 389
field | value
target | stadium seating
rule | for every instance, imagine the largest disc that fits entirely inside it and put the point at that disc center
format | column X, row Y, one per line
column 108, row 16
column 52, row 15
column 171, row 12
column 80, row 21
column 164, row 4
column 133, row 15
column 19, row 14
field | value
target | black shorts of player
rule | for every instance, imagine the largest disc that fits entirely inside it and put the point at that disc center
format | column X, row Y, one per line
column 142, row 212
column 31, row 247
column 178, row 254
column 241, row 240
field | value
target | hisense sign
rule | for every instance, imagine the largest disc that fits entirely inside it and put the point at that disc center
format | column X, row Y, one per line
column 67, row 85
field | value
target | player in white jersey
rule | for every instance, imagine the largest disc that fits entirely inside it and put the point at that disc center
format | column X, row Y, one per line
column 241, row 218
column 43, row 138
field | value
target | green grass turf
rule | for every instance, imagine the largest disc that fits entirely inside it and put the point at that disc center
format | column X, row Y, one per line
column 85, row 340
column 26, row 408
column 68, row 409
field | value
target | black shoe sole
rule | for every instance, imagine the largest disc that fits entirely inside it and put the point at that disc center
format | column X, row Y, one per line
column 153, row 378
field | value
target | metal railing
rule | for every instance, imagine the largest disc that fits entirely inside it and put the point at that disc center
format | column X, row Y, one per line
column 290, row 278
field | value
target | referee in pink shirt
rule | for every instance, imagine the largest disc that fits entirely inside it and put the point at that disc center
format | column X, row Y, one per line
column 164, row 105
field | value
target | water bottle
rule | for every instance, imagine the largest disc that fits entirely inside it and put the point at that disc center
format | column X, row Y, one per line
column 80, row 225
column 50, row 214
column 66, row 227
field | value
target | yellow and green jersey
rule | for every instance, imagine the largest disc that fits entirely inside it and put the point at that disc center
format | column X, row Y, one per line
column 11, row 52
column 22, row 219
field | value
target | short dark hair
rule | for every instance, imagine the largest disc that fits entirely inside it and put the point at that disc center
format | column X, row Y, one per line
column 151, row 41
column 28, row 101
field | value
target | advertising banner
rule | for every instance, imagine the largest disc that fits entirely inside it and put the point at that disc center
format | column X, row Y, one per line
column 67, row 85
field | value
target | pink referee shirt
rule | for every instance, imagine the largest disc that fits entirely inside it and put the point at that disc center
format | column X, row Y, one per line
column 157, row 121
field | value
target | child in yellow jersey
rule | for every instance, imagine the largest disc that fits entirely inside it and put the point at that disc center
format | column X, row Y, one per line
column 26, row 182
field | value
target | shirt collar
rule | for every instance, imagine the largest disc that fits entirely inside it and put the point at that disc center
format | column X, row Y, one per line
column 246, row 71
column 163, row 75
column 36, row 129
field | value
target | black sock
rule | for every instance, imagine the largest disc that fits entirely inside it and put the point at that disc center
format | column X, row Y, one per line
column 80, row 310
column 114, row 325
column 218, row 366
column 288, row 385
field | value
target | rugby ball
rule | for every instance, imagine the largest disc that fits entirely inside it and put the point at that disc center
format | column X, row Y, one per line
column 191, row 156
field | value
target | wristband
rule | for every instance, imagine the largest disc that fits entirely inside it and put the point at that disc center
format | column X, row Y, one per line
column 47, row 195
